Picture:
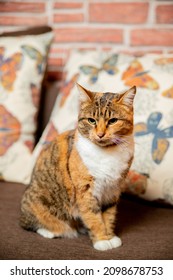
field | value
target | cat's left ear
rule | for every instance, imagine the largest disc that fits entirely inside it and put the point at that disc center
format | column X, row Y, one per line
column 85, row 94
column 128, row 97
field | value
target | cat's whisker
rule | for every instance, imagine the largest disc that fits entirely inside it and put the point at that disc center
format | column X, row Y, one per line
column 120, row 140
column 128, row 137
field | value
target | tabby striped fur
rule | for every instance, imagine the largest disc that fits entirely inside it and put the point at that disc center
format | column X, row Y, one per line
column 80, row 175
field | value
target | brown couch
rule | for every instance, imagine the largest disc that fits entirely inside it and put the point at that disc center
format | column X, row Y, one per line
column 145, row 229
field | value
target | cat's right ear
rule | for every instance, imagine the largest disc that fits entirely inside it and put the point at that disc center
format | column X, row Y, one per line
column 128, row 97
column 85, row 95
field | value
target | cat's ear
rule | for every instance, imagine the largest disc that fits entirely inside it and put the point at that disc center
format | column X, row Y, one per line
column 128, row 97
column 85, row 95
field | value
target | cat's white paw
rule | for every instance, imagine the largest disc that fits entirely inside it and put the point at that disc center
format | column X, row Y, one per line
column 48, row 234
column 104, row 245
column 115, row 242
column 45, row 233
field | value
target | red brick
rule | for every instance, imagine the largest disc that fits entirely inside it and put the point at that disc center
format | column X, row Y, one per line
column 152, row 37
column 68, row 18
column 55, row 62
column 140, row 52
column 58, row 51
column 22, row 7
column 164, row 14
column 97, row 35
column 25, row 21
column 67, row 5
column 118, row 12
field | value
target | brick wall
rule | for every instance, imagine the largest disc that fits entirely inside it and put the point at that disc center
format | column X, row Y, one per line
column 126, row 26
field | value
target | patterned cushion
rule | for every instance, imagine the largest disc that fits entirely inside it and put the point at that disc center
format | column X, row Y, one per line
column 151, row 175
column 22, row 67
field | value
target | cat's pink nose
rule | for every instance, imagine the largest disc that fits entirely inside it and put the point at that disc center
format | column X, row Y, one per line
column 100, row 134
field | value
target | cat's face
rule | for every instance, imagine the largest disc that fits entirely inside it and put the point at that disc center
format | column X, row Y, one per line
column 106, row 118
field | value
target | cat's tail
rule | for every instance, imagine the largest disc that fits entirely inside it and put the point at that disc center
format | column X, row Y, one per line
column 28, row 221
column 41, row 221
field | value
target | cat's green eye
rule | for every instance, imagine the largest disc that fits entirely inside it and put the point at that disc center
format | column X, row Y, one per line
column 112, row 121
column 92, row 121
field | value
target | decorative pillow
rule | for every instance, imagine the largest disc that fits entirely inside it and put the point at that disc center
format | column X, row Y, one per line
column 22, row 67
column 152, row 74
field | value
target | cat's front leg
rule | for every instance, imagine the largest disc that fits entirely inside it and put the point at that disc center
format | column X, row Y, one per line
column 91, row 215
column 109, row 217
column 109, row 213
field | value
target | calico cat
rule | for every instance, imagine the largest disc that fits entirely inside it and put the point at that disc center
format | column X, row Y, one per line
column 80, row 175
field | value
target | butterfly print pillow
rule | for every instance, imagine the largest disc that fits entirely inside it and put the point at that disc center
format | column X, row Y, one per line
column 136, row 75
column 9, row 66
column 22, row 66
column 151, row 175
column 108, row 65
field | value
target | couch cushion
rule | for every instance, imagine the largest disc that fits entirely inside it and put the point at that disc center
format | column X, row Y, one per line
column 146, row 232
column 22, row 66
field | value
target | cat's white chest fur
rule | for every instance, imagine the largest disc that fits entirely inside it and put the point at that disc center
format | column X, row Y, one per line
column 106, row 165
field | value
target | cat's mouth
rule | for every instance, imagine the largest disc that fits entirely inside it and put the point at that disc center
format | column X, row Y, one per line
column 104, row 142
column 111, row 141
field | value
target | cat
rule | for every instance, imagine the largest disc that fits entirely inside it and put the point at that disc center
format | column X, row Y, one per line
column 80, row 175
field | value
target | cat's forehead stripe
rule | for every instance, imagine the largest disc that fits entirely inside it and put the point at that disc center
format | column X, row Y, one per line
column 105, row 98
column 102, row 103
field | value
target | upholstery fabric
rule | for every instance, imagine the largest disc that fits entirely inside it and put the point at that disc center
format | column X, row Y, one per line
column 146, row 232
